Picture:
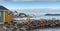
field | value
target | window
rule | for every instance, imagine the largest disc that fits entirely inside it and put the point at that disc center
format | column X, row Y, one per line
column 0, row 14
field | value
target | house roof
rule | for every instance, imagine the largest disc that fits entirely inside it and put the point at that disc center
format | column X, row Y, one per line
column 2, row 8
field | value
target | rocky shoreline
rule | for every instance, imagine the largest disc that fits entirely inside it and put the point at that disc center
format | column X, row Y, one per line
column 31, row 25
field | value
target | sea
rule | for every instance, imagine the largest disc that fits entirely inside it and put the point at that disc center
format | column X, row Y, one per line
column 38, row 18
column 47, row 29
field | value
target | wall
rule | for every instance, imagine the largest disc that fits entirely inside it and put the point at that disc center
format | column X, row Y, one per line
column 6, row 17
column 1, row 16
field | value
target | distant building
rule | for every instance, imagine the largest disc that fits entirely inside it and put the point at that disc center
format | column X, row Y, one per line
column 14, row 14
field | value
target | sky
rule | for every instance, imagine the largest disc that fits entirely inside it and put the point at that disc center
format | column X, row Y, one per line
column 28, row 0
column 38, row 8
column 30, row 5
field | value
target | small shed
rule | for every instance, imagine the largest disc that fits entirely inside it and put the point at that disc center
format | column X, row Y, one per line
column 4, row 15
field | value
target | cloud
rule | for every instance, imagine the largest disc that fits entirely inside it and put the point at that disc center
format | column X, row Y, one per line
column 1, row 0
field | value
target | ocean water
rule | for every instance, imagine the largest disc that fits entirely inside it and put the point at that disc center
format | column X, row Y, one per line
column 47, row 29
column 38, row 17
column 48, row 17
